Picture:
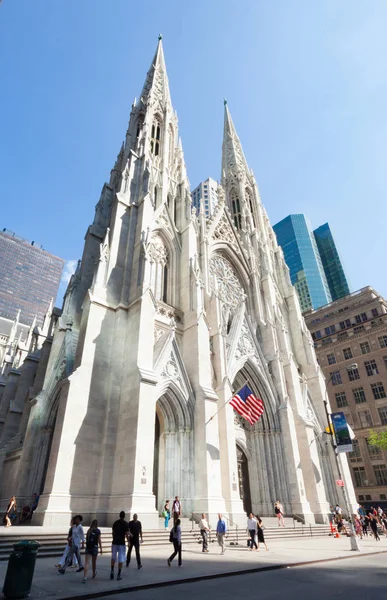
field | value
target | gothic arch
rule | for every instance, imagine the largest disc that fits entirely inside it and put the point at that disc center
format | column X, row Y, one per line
column 177, row 410
column 172, row 268
column 227, row 254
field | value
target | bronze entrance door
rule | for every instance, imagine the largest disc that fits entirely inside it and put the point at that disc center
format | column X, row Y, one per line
column 243, row 480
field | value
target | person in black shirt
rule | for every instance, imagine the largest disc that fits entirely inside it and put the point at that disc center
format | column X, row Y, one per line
column 136, row 534
column 121, row 533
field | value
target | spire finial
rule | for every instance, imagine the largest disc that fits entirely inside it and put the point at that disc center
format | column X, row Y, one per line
column 160, row 37
column 225, row 101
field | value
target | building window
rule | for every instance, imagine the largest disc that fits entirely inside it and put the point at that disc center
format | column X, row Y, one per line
column 378, row 390
column 331, row 358
column 342, row 325
column 359, row 329
column 380, row 474
column 353, row 374
column 383, row 341
column 348, row 322
column 355, row 455
column 360, row 476
column 341, row 399
column 342, row 334
column 368, row 497
column 383, row 414
column 347, row 353
column 359, row 395
column 375, row 312
column 330, row 330
column 365, row 418
column 373, row 451
column 385, row 361
column 358, row 319
column 336, row 377
column 383, row 497
column 236, row 210
column 364, row 317
column 361, row 498
column 371, row 368
column 365, row 348
column 155, row 137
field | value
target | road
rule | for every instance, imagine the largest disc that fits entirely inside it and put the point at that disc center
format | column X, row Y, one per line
column 360, row 578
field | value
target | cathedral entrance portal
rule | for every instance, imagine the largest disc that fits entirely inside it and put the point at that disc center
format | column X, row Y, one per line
column 243, row 480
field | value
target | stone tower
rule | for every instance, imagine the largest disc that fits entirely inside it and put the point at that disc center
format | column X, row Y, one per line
column 168, row 315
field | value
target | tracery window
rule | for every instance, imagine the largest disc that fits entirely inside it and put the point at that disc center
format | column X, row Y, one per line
column 249, row 198
column 236, row 209
column 156, row 137
column 171, row 145
column 158, row 257
column 140, row 123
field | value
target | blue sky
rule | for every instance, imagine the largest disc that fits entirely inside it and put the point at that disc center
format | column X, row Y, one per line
column 306, row 84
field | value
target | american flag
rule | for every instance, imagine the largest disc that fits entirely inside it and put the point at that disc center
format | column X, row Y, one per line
column 247, row 405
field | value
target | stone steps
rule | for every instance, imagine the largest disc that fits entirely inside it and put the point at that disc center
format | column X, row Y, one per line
column 53, row 545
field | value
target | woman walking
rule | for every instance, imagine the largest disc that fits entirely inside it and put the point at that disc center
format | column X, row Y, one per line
column 279, row 513
column 358, row 527
column 374, row 528
column 67, row 551
column 261, row 537
column 11, row 509
column 93, row 540
column 166, row 514
column 175, row 538
column 252, row 530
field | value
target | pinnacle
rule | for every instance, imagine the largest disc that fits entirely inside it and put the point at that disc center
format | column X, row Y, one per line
column 156, row 82
column 233, row 158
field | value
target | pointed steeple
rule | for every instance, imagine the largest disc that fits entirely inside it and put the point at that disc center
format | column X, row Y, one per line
column 156, row 86
column 233, row 159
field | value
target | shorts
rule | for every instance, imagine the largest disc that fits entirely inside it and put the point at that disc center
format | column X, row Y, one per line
column 121, row 551
column 92, row 551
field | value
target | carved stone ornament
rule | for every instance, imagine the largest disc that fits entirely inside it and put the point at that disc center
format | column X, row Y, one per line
column 157, row 251
column 225, row 283
column 246, row 346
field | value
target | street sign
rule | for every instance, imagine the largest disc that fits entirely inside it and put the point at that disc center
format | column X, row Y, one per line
column 340, row 482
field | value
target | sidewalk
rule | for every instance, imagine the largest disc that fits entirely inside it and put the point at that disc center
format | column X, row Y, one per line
column 51, row 585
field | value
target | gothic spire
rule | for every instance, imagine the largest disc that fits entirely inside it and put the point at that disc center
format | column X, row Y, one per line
column 233, row 159
column 156, row 86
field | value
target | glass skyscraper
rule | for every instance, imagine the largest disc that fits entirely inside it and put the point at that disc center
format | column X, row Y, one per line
column 295, row 236
column 331, row 262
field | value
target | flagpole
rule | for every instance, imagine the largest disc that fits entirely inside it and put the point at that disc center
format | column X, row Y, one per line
column 223, row 405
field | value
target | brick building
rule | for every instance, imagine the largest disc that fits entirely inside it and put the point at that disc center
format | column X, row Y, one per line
column 349, row 331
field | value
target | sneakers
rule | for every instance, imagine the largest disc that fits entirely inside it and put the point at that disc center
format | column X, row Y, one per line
column 84, row 580
column 139, row 567
column 168, row 562
column 61, row 571
column 80, row 569
column 119, row 577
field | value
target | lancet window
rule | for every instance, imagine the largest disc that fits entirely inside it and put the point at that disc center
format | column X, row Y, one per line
column 158, row 257
column 156, row 137
column 249, row 198
column 236, row 209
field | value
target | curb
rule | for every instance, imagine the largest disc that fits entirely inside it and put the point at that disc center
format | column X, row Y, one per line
column 198, row 578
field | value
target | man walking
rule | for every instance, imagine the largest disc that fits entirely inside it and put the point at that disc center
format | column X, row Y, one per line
column 204, row 531
column 121, row 533
column 135, row 530
column 176, row 509
column 252, row 529
column 221, row 531
column 76, row 540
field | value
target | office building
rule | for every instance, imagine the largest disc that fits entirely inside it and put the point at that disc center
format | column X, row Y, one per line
column 206, row 192
column 350, row 337
column 295, row 236
column 29, row 278
column 331, row 262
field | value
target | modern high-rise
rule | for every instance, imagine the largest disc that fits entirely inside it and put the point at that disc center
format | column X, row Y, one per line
column 295, row 236
column 29, row 278
column 350, row 338
column 331, row 262
column 206, row 192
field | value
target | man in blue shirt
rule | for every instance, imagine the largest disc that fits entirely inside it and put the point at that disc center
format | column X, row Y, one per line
column 221, row 531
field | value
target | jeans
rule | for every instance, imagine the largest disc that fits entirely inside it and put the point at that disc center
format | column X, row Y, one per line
column 253, row 533
column 136, row 544
column 204, row 534
column 166, row 521
column 177, row 550
column 221, row 543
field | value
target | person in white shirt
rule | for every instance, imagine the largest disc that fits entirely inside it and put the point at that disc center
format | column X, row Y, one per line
column 252, row 529
column 176, row 509
column 204, row 531
column 76, row 541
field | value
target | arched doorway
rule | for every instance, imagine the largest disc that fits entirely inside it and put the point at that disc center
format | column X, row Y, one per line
column 156, row 460
column 243, row 480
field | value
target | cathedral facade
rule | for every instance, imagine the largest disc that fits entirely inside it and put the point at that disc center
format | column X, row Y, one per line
column 168, row 315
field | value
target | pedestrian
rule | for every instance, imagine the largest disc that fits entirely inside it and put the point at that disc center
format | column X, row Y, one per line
column 120, row 531
column 366, row 522
column 34, row 506
column 221, row 531
column 374, row 528
column 384, row 523
column 361, row 511
column 10, row 513
column 252, row 530
column 93, row 540
column 135, row 529
column 166, row 514
column 76, row 541
column 260, row 528
column 279, row 512
column 67, row 551
column 358, row 527
column 338, row 510
column 176, row 509
column 175, row 538
column 204, row 531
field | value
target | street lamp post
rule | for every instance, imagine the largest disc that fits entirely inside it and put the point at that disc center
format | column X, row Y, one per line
column 353, row 537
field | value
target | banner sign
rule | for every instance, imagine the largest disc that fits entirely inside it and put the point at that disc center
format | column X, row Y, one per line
column 340, row 482
column 343, row 438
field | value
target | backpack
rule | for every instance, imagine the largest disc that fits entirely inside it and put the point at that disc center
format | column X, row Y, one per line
column 171, row 535
column 92, row 539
